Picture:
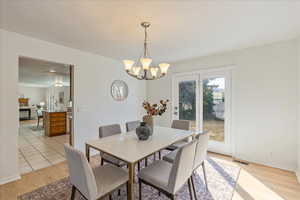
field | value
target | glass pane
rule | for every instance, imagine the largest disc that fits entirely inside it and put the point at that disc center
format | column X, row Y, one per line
column 214, row 108
column 187, row 102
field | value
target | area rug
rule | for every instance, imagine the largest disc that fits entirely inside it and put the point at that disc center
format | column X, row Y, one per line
column 222, row 179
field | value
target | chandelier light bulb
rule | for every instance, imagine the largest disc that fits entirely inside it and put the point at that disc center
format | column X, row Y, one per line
column 154, row 71
column 146, row 63
column 128, row 64
column 164, row 67
column 136, row 70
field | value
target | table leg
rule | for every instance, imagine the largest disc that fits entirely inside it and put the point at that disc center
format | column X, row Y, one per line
column 131, row 168
column 29, row 114
column 87, row 152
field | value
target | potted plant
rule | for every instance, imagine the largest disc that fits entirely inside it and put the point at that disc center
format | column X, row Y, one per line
column 154, row 110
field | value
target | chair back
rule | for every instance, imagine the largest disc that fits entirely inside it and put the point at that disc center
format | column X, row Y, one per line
column 81, row 174
column 201, row 149
column 181, row 124
column 130, row 126
column 182, row 167
column 109, row 130
column 39, row 112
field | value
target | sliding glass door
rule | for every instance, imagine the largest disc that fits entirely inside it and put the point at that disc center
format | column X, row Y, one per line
column 204, row 99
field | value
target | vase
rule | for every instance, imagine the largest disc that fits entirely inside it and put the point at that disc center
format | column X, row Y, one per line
column 144, row 131
column 149, row 120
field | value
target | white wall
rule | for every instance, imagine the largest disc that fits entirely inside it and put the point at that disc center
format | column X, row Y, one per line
column 264, row 100
column 93, row 103
column 35, row 94
column 298, row 169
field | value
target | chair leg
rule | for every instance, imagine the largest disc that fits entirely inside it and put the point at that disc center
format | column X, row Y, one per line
column 73, row 192
column 204, row 173
column 102, row 161
column 38, row 124
column 190, row 189
column 139, row 166
column 110, row 198
column 146, row 162
column 140, row 190
column 159, row 155
column 127, row 190
column 193, row 185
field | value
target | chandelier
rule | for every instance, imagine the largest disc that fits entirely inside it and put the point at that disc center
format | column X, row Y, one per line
column 142, row 70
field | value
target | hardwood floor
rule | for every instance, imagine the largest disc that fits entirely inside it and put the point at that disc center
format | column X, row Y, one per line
column 255, row 181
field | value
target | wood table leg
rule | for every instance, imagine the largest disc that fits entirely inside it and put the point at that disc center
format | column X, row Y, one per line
column 131, row 168
column 87, row 152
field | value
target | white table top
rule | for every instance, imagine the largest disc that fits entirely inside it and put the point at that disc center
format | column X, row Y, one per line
column 128, row 148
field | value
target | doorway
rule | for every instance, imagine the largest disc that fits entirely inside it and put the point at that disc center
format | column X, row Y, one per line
column 204, row 98
column 45, row 112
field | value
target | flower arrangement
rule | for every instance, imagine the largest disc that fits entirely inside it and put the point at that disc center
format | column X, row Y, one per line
column 155, row 109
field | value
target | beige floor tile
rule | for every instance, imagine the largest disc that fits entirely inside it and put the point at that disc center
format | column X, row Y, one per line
column 38, row 151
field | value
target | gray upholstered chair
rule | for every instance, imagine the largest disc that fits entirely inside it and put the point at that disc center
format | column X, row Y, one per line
column 183, row 125
column 130, row 126
column 93, row 183
column 105, row 131
column 169, row 178
column 200, row 156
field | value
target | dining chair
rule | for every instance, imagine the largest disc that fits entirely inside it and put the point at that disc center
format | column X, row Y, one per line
column 105, row 131
column 168, row 178
column 183, row 125
column 130, row 126
column 200, row 157
column 93, row 183
column 39, row 114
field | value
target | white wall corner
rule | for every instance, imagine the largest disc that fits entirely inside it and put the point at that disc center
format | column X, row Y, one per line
column 9, row 179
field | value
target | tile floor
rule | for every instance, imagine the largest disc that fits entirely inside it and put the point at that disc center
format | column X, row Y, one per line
column 37, row 151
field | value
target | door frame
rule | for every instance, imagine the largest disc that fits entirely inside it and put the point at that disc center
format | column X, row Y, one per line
column 72, row 77
column 224, row 70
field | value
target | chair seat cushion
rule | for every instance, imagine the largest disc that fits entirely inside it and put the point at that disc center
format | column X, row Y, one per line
column 177, row 145
column 112, row 160
column 170, row 157
column 157, row 174
column 108, row 178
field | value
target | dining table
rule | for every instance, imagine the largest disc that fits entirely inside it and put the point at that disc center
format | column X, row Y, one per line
column 128, row 148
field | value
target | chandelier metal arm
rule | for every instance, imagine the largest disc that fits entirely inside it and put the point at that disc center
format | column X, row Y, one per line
column 144, row 77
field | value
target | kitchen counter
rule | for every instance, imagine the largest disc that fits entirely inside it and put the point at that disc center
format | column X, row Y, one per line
column 55, row 122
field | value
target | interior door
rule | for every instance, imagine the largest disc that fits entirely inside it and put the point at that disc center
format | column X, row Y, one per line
column 186, row 98
column 215, row 115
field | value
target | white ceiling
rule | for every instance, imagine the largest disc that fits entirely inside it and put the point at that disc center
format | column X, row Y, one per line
column 36, row 73
column 180, row 29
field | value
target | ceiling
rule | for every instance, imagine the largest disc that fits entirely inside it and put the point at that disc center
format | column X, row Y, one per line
column 39, row 73
column 180, row 29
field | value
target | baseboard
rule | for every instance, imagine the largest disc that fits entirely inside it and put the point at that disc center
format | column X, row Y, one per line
column 9, row 179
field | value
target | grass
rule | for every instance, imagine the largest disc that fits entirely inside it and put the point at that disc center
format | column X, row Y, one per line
column 215, row 129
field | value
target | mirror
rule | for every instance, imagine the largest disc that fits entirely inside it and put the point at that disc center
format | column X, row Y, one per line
column 119, row 90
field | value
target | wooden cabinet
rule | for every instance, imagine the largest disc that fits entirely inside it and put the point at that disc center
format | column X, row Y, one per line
column 55, row 123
